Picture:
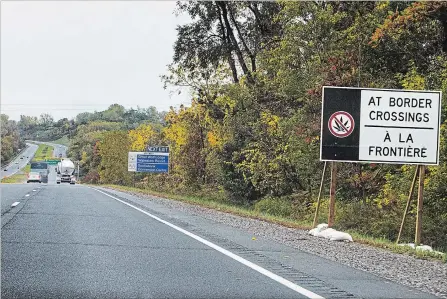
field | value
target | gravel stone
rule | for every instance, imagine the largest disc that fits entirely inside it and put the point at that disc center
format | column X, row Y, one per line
column 425, row 275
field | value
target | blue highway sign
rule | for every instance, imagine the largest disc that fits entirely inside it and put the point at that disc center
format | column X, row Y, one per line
column 155, row 160
column 152, row 167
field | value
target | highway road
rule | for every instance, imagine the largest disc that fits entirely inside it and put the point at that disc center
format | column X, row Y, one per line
column 11, row 192
column 58, row 148
column 28, row 154
column 65, row 241
column 12, row 167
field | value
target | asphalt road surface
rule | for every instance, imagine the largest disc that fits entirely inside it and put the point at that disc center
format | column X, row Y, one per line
column 65, row 241
column 10, row 193
column 26, row 156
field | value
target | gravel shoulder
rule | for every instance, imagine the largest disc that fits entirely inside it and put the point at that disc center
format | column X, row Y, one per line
column 424, row 275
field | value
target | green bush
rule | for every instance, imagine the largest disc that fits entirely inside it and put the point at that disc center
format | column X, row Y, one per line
column 370, row 219
column 274, row 206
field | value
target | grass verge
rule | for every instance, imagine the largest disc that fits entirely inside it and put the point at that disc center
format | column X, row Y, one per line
column 15, row 178
column 19, row 177
column 63, row 141
column 43, row 152
column 292, row 223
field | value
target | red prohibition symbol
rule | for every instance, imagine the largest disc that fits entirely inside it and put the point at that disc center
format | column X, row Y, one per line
column 341, row 124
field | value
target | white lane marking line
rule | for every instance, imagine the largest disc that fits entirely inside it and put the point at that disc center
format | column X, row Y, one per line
column 27, row 195
column 271, row 275
column 34, row 190
column 15, row 204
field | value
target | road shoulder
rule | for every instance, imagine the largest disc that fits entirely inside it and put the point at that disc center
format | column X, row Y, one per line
column 298, row 255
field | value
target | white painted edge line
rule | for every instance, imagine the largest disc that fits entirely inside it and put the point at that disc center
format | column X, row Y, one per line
column 15, row 204
column 27, row 195
column 271, row 275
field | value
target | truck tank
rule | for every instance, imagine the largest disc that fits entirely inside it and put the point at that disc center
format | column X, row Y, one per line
column 65, row 169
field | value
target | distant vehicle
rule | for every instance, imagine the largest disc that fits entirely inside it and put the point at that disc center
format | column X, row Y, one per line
column 60, row 155
column 65, row 172
column 5, row 169
column 16, row 162
column 34, row 177
column 42, row 168
column 21, row 157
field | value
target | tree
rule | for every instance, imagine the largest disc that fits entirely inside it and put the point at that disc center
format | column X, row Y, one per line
column 11, row 140
column 114, row 113
column 46, row 120
column 113, row 150
column 144, row 135
column 186, row 135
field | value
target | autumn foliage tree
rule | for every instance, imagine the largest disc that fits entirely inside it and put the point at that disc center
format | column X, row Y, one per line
column 114, row 149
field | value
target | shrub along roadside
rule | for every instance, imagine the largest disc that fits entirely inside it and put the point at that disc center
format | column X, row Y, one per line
column 268, row 212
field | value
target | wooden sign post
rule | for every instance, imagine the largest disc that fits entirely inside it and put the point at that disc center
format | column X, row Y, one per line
column 317, row 211
column 417, row 237
column 407, row 208
column 331, row 216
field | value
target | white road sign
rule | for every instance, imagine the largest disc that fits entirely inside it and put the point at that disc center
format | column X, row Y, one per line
column 399, row 126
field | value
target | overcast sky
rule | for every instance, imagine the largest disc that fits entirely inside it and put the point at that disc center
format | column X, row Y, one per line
column 66, row 57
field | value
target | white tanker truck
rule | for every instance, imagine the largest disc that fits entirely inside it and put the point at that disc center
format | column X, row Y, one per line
column 65, row 172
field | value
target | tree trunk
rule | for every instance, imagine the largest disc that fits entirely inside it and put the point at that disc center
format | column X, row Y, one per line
column 249, row 53
column 258, row 17
column 235, row 46
column 227, row 44
column 443, row 20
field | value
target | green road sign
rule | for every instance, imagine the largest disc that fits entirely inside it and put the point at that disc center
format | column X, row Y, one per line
column 52, row 162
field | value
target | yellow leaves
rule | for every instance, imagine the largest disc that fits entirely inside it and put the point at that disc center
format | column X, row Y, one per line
column 271, row 121
column 382, row 5
column 84, row 157
column 141, row 137
column 225, row 100
column 176, row 133
column 212, row 140
column 413, row 80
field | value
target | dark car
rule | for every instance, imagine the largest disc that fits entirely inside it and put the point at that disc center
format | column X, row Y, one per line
column 42, row 168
